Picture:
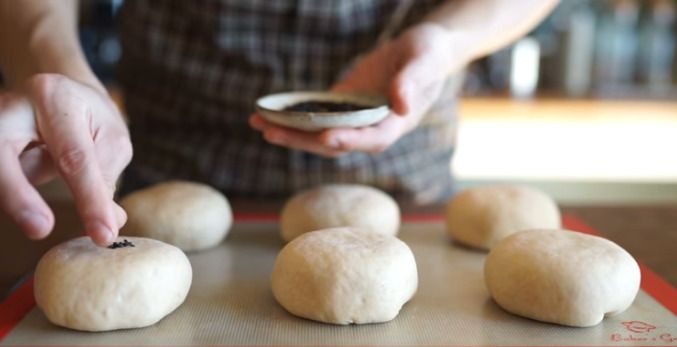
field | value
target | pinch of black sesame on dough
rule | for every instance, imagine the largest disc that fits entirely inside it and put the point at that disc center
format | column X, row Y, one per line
column 123, row 244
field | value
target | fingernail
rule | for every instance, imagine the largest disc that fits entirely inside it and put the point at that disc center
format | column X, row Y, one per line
column 35, row 224
column 105, row 234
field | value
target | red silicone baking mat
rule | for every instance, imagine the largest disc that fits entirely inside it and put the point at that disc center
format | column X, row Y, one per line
column 230, row 304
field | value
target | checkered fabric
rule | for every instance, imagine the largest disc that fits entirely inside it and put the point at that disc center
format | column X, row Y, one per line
column 192, row 70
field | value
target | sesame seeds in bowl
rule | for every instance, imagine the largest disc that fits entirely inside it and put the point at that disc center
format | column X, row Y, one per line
column 314, row 111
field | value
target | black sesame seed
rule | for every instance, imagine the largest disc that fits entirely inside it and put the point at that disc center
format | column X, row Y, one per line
column 123, row 244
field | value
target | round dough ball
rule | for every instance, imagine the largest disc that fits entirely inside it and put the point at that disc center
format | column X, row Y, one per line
column 81, row 286
column 191, row 216
column 562, row 277
column 480, row 217
column 345, row 276
column 339, row 205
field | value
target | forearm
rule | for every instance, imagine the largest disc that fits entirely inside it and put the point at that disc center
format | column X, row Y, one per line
column 40, row 36
column 481, row 27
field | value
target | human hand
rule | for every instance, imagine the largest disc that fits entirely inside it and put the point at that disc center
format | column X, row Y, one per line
column 76, row 131
column 410, row 70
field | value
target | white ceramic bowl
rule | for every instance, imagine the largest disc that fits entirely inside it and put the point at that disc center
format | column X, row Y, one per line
column 272, row 108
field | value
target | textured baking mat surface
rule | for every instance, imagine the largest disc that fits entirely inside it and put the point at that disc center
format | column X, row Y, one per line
column 231, row 304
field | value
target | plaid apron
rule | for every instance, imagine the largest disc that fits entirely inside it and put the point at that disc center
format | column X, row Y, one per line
column 192, row 70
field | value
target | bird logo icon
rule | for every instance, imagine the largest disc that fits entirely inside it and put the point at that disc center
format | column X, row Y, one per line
column 638, row 326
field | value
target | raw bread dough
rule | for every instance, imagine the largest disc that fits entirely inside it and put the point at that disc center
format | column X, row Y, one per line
column 191, row 216
column 339, row 205
column 81, row 286
column 480, row 217
column 562, row 277
column 345, row 276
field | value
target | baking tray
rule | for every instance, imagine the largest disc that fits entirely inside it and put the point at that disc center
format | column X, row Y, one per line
column 230, row 304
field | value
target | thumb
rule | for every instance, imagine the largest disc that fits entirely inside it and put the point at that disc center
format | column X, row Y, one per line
column 342, row 87
column 417, row 81
column 405, row 85
column 400, row 95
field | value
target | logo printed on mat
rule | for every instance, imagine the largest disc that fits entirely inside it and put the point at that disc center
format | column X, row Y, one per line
column 638, row 326
column 641, row 331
